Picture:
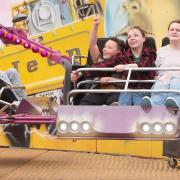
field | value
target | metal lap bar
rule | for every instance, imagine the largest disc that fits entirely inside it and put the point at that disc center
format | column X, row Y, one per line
column 27, row 119
column 113, row 82
column 6, row 105
column 130, row 70
column 127, row 81
column 133, row 69
column 10, row 87
column 77, row 91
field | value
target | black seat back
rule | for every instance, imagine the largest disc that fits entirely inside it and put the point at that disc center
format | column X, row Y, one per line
column 100, row 43
column 165, row 41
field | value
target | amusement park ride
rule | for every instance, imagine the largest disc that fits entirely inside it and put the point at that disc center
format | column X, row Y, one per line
column 90, row 122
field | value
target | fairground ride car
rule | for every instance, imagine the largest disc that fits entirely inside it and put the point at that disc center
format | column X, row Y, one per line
column 121, row 122
column 103, row 122
column 109, row 122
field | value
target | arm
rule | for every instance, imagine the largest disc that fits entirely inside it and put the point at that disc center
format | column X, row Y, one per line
column 94, row 50
column 115, row 60
column 105, row 80
column 121, row 67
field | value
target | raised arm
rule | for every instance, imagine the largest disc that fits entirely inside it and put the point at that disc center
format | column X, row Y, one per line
column 94, row 50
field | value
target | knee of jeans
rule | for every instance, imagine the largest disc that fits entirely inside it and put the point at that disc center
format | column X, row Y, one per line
column 161, row 85
column 125, row 100
column 12, row 72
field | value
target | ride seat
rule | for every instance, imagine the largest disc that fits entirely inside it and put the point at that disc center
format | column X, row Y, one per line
column 100, row 43
column 77, row 64
column 165, row 41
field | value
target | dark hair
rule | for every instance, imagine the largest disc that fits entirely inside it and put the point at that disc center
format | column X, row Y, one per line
column 120, row 43
column 175, row 21
column 143, row 32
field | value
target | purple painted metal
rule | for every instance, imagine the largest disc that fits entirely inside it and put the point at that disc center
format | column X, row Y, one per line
column 18, row 41
column 35, row 49
column 115, row 122
column 9, row 37
column 27, row 45
column 1, row 33
column 44, row 53
column 18, row 36
column 26, row 119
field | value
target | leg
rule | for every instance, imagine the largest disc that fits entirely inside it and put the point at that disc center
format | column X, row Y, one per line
column 159, row 98
column 125, row 99
column 174, row 98
column 137, row 97
column 93, row 99
column 15, row 80
column 112, row 97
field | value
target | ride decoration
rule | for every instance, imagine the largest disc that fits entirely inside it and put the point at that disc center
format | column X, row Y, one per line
column 11, row 35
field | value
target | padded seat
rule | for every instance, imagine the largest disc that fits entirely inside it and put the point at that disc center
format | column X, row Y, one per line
column 165, row 41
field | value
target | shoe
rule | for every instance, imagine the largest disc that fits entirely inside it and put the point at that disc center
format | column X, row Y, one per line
column 171, row 102
column 146, row 102
column 115, row 104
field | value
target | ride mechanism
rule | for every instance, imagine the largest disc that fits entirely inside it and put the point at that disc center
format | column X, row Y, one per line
column 88, row 122
column 140, row 127
column 11, row 35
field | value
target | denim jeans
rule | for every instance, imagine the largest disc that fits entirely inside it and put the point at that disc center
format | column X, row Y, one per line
column 11, row 76
column 160, row 98
column 129, row 99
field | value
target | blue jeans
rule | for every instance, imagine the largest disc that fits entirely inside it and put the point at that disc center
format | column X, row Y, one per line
column 11, row 76
column 160, row 98
column 129, row 99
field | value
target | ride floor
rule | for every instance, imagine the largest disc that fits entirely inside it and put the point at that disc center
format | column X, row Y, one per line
column 16, row 163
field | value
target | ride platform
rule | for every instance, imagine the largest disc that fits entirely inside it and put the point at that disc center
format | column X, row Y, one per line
column 50, row 164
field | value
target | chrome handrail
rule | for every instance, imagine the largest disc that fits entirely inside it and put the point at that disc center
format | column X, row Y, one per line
column 130, row 70
column 10, row 87
column 77, row 91
column 113, row 82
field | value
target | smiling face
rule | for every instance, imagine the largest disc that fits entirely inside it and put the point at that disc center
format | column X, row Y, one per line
column 174, row 32
column 135, row 38
column 110, row 49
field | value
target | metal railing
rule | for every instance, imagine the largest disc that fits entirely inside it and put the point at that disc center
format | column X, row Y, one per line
column 5, row 103
column 127, row 81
